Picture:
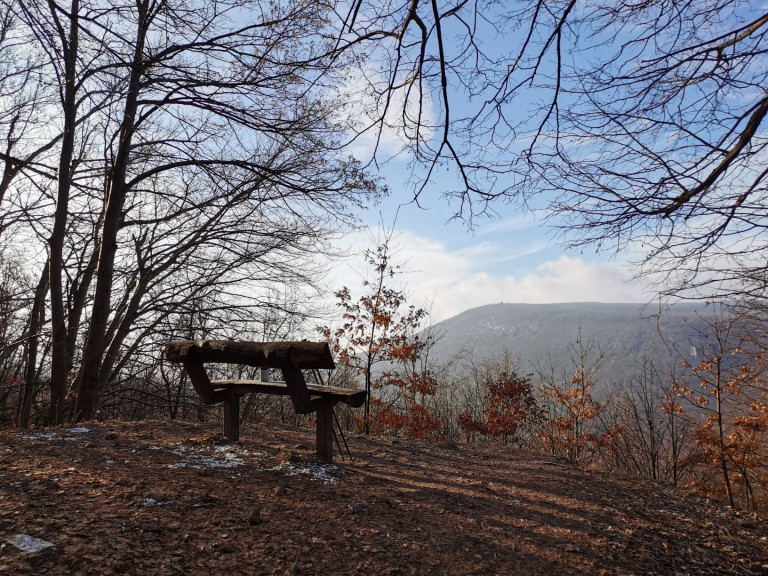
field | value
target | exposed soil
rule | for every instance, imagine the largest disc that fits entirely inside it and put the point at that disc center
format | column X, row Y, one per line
column 172, row 498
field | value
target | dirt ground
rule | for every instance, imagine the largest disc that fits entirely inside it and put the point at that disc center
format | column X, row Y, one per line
column 173, row 498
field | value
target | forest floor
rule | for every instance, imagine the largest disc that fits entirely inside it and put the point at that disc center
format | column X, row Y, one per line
column 174, row 498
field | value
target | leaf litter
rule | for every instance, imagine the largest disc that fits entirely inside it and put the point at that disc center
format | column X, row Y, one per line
column 265, row 505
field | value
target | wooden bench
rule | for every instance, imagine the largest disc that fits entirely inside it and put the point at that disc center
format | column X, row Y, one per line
column 290, row 357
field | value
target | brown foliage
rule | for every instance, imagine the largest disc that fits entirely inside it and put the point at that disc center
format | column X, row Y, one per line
column 380, row 328
column 510, row 408
column 569, row 407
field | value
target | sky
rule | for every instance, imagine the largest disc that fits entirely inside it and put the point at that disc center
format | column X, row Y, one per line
column 448, row 267
column 512, row 258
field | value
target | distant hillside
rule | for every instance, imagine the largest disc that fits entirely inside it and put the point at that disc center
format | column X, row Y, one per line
column 534, row 333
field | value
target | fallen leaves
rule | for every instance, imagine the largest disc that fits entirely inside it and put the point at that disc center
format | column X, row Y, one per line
column 408, row 507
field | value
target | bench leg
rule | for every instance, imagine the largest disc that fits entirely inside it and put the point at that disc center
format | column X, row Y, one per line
column 232, row 417
column 324, row 438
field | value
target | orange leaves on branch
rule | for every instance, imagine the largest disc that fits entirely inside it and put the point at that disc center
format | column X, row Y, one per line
column 379, row 340
column 511, row 408
column 569, row 405
column 473, row 426
column 732, row 424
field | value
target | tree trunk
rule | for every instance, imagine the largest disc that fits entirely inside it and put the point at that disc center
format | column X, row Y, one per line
column 36, row 322
column 59, row 371
column 10, row 169
column 78, row 295
column 723, row 462
column 88, row 385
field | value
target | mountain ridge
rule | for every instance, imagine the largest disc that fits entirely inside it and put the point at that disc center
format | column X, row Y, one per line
column 540, row 334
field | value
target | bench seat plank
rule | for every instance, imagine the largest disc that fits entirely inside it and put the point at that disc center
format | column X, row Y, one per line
column 258, row 354
column 353, row 397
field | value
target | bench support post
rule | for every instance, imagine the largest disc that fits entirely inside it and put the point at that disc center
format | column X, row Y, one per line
column 324, row 437
column 232, row 417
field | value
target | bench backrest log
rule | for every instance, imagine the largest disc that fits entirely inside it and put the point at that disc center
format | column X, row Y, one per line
column 289, row 357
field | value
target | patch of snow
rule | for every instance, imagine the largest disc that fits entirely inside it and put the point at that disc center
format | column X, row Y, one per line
column 227, row 456
column 321, row 472
column 153, row 502
column 43, row 436
column 227, row 449
column 51, row 436
column 196, row 461
column 29, row 544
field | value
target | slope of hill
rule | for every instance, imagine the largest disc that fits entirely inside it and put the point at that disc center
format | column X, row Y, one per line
column 538, row 334
column 171, row 498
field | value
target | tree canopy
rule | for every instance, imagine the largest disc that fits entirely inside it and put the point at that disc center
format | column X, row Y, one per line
column 170, row 159
column 634, row 125
column 163, row 160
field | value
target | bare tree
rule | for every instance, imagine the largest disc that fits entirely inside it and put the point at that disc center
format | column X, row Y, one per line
column 647, row 125
column 15, row 288
column 629, row 122
column 636, row 424
column 661, row 143
column 721, row 385
column 197, row 149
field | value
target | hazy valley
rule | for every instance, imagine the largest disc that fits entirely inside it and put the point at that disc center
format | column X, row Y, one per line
column 540, row 335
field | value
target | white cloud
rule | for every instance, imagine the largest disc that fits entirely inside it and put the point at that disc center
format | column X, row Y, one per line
column 566, row 279
column 456, row 280
column 363, row 109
